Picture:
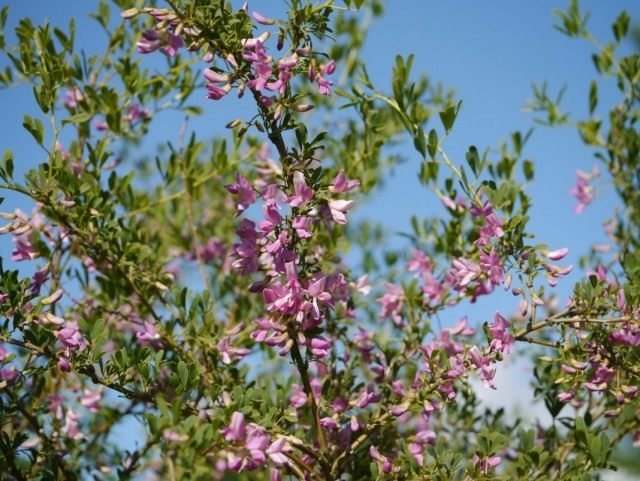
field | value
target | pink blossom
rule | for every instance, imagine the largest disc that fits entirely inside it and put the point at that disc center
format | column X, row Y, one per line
column 486, row 464
column 491, row 265
column 341, row 184
column 320, row 346
column 71, row 427
column 392, row 303
column 244, row 190
column 174, row 436
column 148, row 336
column 338, row 210
column 302, row 192
column 258, row 17
column 230, row 354
column 298, row 397
column 72, row 97
column 382, row 461
column 462, row 272
column 91, row 400
column 136, row 112
column 23, row 249
column 557, row 254
column 492, row 224
column 501, row 340
column 71, row 337
column 367, row 396
column 420, row 263
column 583, row 191
column 302, row 226
column 237, row 430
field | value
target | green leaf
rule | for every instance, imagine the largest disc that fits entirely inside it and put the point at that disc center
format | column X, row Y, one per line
column 35, row 128
column 6, row 172
column 593, row 97
column 78, row 118
column 419, row 142
column 621, row 26
column 448, row 116
column 528, row 169
column 432, row 146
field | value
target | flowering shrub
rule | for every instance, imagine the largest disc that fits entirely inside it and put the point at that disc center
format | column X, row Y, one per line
column 206, row 296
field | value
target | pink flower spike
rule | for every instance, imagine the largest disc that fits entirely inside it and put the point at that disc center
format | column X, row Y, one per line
column 261, row 19
column 557, row 254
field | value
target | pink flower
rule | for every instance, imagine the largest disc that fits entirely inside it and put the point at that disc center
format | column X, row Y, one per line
column 382, row 461
column 392, row 303
column 71, row 337
column 298, row 397
column 341, row 184
column 486, row 464
column 302, row 226
column 91, row 400
column 557, row 254
column 501, row 340
column 491, row 264
column 230, row 354
column 338, row 210
column 462, row 273
column 244, row 190
column 72, row 97
column 174, row 436
column 419, row 262
column 302, row 192
column 71, row 427
column 320, row 346
column 23, row 250
column 148, row 336
column 492, row 224
column 261, row 19
column 237, row 430
column 583, row 191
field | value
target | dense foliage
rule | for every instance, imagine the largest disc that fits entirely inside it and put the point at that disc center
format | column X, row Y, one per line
column 204, row 291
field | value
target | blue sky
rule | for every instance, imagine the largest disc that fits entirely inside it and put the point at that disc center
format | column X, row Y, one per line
column 489, row 51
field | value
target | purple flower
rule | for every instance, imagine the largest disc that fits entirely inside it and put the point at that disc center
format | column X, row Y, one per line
column 244, row 190
column 298, row 397
column 341, row 184
column 491, row 264
column 382, row 461
column 71, row 427
column 71, row 337
column 462, row 273
column 392, row 303
column 148, row 336
column 23, row 250
column 320, row 346
column 231, row 354
column 302, row 192
column 237, row 429
column 302, row 226
column 91, row 400
column 501, row 340
column 583, row 191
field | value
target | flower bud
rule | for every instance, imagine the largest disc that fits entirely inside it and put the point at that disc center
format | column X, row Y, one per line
column 55, row 297
column 302, row 107
column 129, row 13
